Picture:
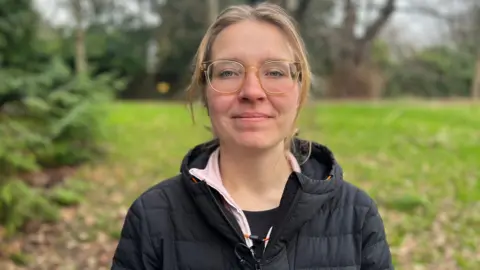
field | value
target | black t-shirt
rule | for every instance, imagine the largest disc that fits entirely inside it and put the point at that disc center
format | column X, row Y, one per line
column 260, row 223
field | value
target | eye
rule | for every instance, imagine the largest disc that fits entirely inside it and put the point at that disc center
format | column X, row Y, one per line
column 275, row 73
column 227, row 73
column 275, row 69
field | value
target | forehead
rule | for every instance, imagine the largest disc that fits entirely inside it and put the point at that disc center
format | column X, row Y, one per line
column 252, row 42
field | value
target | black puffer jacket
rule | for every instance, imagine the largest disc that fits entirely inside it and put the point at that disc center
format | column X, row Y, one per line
column 324, row 224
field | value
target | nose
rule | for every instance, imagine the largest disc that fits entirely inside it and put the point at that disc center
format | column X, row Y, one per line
column 252, row 89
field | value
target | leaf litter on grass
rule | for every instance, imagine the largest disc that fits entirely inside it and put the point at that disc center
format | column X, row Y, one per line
column 425, row 193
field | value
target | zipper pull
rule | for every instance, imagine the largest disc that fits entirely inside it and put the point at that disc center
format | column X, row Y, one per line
column 258, row 266
column 258, row 242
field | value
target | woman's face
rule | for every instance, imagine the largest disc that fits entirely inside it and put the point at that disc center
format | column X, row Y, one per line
column 252, row 117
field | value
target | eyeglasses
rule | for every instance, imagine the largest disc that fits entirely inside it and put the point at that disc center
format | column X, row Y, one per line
column 275, row 77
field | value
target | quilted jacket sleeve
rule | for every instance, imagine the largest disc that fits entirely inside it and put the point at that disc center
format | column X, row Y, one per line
column 134, row 250
column 376, row 253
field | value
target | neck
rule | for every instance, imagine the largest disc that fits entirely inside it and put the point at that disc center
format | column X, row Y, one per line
column 254, row 173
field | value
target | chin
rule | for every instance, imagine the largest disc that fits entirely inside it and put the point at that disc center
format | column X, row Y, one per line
column 259, row 142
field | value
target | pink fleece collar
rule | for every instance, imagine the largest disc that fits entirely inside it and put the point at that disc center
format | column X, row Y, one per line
column 211, row 175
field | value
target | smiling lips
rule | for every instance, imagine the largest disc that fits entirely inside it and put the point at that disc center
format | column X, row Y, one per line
column 252, row 115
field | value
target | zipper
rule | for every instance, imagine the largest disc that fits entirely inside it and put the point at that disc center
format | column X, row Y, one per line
column 280, row 228
column 257, row 265
column 240, row 236
column 232, row 204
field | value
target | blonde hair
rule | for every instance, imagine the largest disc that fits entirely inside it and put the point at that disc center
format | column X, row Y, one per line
column 263, row 12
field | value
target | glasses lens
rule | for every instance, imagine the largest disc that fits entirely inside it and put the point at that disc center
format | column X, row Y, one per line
column 277, row 77
column 226, row 76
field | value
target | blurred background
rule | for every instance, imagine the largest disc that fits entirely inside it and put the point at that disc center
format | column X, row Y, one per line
column 93, row 111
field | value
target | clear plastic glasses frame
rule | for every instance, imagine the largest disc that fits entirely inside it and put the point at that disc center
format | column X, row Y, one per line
column 275, row 76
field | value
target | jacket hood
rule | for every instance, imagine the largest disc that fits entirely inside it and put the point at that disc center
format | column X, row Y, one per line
column 316, row 161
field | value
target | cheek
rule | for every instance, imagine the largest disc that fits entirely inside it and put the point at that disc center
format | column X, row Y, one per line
column 217, row 105
column 286, row 104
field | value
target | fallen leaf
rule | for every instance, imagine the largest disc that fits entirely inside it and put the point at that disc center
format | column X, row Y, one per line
column 117, row 197
column 89, row 220
column 69, row 214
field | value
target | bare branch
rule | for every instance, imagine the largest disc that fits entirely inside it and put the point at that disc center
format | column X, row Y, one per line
column 302, row 7
column 425, row 11
column 374, row 28
column 350, row 19
column 419, row 9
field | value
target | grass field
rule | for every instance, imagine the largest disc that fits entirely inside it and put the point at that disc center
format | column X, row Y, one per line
column 420, row 161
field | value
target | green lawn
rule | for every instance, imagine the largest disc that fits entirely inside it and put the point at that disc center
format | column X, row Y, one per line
column 420, row 161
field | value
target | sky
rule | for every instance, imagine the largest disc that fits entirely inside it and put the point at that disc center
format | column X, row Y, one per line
column 417, row 28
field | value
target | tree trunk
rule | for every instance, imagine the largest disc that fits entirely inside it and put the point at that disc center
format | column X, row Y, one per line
column 80, row 51
column 476, row 80
column 296, row 8
column 254, row 2
column 213, row 9
column 353, row 75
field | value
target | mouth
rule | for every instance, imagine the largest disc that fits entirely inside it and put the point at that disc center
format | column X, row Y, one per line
column 252, row 116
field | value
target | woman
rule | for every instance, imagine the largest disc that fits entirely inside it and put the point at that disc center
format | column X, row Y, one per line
column 255, row 197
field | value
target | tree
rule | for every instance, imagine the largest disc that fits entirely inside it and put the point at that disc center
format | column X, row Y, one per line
column 18, row 22
column 254, row 2
column 475, row 90
column 296, row 8
column 464, row 33
column 213, row 9
column 476, row 80
column 79, row 13
column 350, row 55
column 353, row 74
